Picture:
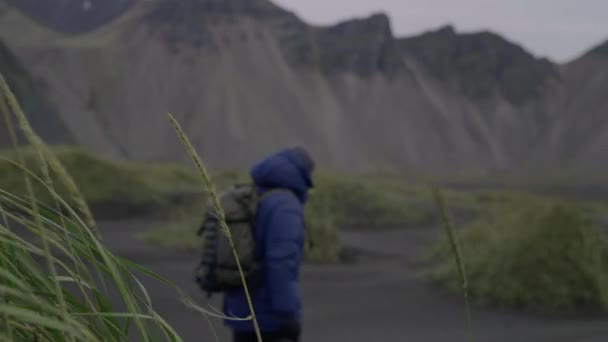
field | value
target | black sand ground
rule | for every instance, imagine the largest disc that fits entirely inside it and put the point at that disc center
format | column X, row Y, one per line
column 380, row 298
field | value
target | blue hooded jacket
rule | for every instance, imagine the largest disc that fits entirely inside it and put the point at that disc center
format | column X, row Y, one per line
column 280, row 239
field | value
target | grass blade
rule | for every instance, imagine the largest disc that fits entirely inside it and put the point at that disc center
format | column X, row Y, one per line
column 222, row 219
column 448, row 226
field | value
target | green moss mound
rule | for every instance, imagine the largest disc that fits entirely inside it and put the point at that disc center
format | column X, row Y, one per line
column 544, row 256
column 100, row 180
column 368, row 202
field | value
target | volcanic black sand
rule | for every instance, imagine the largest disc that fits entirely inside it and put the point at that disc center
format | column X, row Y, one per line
column 380, row 297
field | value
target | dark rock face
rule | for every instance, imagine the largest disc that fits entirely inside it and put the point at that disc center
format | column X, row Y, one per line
column 31, row 95
column 480, row 63
column 188, row 21
column 363, row 46
column 181, row 21
column 72, row 16
column 258, row 8
column 600, row 50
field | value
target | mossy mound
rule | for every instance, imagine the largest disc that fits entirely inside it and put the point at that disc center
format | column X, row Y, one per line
column 100, row 180
column 544, row 256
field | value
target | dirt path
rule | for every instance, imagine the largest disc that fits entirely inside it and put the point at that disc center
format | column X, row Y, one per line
column 380, row 298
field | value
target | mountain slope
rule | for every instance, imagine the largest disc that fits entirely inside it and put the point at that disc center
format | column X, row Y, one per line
column 32, row 95
column 481, row 63
column 72, row 16
column 579, row 135
column 245, row 77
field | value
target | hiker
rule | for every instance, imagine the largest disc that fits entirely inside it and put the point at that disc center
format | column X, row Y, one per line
column 279, row 234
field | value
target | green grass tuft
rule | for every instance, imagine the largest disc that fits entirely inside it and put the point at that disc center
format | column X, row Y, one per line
column 456, row 251
column 369, row 203
column 210, row 188
column 540, row 255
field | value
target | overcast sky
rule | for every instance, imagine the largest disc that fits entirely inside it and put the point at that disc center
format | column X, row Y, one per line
column 558, row 29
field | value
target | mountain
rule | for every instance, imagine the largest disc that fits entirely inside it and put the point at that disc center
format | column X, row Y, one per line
column 245, row 77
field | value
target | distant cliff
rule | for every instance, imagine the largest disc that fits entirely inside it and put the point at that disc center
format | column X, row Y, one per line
column 245, row 77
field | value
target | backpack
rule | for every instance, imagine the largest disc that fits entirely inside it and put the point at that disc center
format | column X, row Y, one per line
column 217, row 270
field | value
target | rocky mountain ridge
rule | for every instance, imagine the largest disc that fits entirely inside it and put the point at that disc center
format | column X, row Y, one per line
column 246, row 77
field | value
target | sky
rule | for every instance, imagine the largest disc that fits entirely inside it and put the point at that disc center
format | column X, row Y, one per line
column 560, row 30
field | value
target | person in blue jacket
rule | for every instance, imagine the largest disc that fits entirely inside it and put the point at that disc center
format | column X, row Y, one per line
column 279, row 233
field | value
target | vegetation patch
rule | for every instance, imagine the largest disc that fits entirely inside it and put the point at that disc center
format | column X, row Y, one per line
column 56, row 277
column 338, row 201
column 538, row 254
column 100, row 180
column 366, row 202
column 51, row 290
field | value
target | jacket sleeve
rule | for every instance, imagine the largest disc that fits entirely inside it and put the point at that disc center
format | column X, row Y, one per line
column 284, row 239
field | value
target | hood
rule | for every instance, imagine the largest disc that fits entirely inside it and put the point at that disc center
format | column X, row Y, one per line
column 285, row 169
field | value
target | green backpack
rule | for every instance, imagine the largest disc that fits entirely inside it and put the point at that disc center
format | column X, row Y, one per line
column 217, row 270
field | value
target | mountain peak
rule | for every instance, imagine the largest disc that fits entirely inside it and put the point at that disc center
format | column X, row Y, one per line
column 600, row 50
column 480, row 63
column 253, row 7
column 378, row 23
column 362, row 46
column 187, row 21
column 447, row 30
column 174, row 10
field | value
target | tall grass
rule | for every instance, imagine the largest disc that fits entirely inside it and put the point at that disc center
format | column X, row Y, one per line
column 457, row 253
column 56, row 277
column 212, row 193
column 47, row 158
column 59, row 291
column 544, row 256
